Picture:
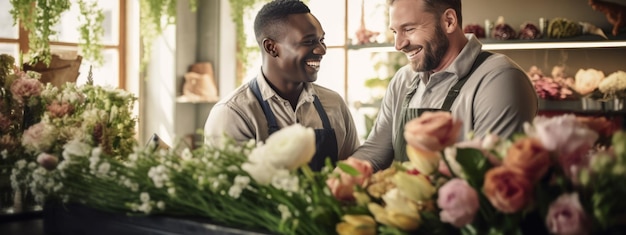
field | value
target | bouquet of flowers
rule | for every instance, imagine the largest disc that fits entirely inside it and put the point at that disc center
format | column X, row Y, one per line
column 264, row 187
column 538, row 182
column 75, row 117
column 20, row 107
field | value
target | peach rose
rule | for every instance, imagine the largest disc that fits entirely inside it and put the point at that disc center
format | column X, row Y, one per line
column 507, row 189
column 528, row 155
column 432, row 131
column 342, row 187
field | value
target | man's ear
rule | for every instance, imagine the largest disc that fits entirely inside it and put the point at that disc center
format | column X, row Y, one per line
column 450, row 21
column 269, row 46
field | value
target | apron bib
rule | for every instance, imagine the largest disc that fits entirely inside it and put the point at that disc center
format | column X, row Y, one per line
column 325, row 139
column 407, row 114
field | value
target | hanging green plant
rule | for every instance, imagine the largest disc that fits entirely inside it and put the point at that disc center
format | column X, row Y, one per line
column 155, row 15
column 238, row 11
column 39, row 17
column 91, row 31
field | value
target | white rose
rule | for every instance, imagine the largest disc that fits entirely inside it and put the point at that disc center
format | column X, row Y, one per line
column 290, row 147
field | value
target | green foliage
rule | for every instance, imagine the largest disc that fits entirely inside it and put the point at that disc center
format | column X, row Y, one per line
column 239, row 9
column 39, row 18
column 155, row 15
column 91, row 31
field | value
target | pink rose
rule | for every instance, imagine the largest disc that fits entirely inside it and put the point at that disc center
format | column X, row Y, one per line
column 458, row 202
column 58, row 110
column 568, row 138
column 508, row 189
column 25, row 87
column 38, row 137
column 342, row 187
column 566, row 216
column 432, row 131
column 563, row 134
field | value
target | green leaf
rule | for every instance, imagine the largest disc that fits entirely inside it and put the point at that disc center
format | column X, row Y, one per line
column 348, row 169
column 474, row 164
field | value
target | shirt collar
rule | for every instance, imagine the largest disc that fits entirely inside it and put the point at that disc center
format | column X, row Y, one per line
column 267, row 92
column 461, row 64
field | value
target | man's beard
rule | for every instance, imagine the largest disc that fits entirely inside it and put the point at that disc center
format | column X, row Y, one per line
column 433, row 52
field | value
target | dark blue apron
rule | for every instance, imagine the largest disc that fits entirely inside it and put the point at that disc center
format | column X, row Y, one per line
column 325, row 139
column 406, row 114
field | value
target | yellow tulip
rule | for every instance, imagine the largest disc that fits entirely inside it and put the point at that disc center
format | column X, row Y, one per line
column 401, row 220
column 361, row 198
column 406, row 222
column 426, row 162
column 415, row 187
column 357, row 225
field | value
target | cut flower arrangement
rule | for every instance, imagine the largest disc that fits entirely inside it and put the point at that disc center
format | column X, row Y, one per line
column 551, row 179
column 265, row 187
column 81, row 149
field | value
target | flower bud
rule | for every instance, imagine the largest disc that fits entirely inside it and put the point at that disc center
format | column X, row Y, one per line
column 415, row 187
column 426, row 162
column 357, row 225
column 48, row 161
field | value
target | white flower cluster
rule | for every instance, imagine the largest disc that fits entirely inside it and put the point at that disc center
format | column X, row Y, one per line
column 241, row 182
column 146, row 205
column 614, row 84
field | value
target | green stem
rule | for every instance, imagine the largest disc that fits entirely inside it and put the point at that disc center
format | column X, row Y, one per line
column 443, row 155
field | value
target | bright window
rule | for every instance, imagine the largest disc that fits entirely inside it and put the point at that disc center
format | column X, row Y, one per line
column 109, row 73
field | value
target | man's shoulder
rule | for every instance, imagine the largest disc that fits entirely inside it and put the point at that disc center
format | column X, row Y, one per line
column 240, row 98
column 323, row 91
column 499, row 61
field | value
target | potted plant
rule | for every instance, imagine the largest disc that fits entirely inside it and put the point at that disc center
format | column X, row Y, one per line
column 39, row 18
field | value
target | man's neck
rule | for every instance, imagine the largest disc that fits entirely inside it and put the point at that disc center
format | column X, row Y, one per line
column 289, row 91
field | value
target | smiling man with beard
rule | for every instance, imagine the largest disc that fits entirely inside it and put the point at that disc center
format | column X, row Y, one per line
column 448, row 71
column 291, row 40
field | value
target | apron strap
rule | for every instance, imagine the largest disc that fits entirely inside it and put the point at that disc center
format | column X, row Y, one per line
column 399, row 143
column 405, row 113
column 321, row 112
column 456, row 89
column 272, row 124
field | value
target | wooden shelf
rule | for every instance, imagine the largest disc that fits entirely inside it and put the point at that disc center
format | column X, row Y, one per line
column 587, row 106
column 583, row 41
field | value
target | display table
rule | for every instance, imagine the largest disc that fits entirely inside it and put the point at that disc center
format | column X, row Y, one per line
column 78, row 219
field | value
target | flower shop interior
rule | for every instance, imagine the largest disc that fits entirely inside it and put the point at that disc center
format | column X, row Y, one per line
column 170, row 61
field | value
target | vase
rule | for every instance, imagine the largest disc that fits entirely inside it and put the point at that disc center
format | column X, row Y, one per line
column 6, row 194
column 18, row 202
column 60, row 70
column 614, row 105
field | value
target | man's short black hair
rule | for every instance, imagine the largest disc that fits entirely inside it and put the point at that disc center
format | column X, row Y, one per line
column 270, row 19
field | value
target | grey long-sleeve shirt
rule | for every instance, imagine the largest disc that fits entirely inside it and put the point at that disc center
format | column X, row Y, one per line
column 497, row 98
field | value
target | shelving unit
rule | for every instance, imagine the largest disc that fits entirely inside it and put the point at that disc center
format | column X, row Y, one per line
column 584, row 107
column 579, row 42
